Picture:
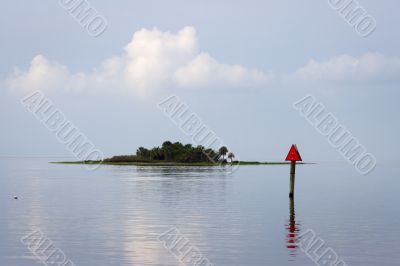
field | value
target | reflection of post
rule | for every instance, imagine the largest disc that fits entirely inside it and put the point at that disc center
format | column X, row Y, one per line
column 292, row 177
column 292, row 214
column 292, row 229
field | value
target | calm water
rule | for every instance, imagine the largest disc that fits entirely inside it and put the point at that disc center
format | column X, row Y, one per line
column 114, row 215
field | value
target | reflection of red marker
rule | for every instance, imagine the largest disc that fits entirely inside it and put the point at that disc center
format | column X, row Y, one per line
column 291, row 236
column 292, row 230
column 293, row 156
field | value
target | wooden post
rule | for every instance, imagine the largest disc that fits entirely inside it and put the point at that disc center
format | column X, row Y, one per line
column 292, row 177
column 293, row 157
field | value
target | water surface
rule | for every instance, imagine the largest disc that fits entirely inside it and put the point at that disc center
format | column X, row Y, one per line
column 114, row 215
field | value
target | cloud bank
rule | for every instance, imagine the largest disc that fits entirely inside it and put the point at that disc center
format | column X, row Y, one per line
column 369, row 67
column 155, row 60
column 152, row 60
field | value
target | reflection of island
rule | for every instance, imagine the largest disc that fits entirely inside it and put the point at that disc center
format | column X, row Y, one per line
column 155, row 199
column 292, row 229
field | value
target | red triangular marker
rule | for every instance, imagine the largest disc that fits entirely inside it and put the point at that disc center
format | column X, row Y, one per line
column 293, row 154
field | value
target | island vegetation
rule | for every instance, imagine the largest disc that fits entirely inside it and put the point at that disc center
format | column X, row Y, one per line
column 176, row 153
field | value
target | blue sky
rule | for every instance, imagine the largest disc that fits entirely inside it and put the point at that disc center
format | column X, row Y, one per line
column 239, row 65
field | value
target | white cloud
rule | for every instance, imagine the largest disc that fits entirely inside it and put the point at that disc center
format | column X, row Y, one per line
column 205, row 71
column 41, row 74
column 366, row 68
column 152, row 60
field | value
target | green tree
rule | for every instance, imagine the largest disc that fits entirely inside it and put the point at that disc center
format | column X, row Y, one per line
column 223, row 151
column 143, row 153
column 231, row 156
column 211, row 155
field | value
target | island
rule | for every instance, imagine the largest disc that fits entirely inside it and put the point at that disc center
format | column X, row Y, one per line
column 176, row 153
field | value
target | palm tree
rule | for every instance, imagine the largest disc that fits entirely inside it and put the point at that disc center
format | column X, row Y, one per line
column 223, row 151
column 231, row 156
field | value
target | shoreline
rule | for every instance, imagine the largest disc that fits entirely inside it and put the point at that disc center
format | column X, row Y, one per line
column 175, row 163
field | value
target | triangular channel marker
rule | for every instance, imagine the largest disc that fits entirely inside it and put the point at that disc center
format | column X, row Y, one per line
column 293, row 154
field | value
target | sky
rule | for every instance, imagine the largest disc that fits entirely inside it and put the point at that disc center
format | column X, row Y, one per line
column 239, row 66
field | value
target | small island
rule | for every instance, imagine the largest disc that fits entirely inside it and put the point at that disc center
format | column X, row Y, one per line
column 176, row 154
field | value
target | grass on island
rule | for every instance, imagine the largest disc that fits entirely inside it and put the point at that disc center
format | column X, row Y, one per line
column 155, row 163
